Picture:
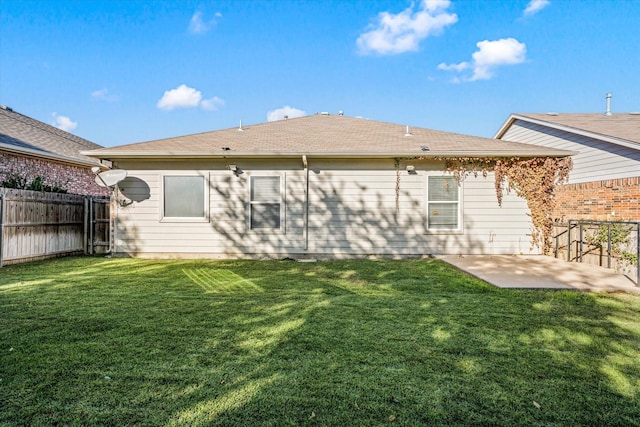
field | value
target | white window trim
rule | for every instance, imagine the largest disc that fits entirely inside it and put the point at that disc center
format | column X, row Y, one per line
column 205, row 182
column 282, row 201
column 460, row 228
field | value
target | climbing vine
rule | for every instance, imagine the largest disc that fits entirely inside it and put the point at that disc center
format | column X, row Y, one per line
column 618, row 236
column 533, row 179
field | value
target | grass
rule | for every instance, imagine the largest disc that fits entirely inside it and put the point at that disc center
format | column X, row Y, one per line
column 95, row 341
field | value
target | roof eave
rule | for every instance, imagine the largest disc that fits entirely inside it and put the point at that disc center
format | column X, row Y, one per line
column 565, row 128
column 155, row 155
column 46, row 156
column 505, row 126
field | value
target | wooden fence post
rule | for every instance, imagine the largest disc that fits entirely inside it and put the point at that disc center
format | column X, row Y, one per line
column 1, row 226
column 85, row 234
column 92, row 226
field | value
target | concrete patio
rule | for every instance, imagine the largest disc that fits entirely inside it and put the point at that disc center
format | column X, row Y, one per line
column 541, row 272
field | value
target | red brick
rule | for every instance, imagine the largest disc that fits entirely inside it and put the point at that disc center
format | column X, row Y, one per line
column 75, row 179
column 577, row 201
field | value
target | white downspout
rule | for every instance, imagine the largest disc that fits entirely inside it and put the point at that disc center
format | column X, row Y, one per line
column 115, row 213
column 305, row 230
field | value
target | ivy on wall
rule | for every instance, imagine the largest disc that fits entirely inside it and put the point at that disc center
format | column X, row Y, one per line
column 533, row 179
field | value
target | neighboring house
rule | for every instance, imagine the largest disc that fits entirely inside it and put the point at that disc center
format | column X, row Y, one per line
column 30, row 149
column 605, row 181
column 320, row 185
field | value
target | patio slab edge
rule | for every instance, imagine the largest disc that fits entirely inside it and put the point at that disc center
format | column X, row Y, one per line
column 540, row 272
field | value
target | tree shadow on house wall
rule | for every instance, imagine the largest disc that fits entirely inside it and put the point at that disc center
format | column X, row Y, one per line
column 345, row 218
column 130, row 192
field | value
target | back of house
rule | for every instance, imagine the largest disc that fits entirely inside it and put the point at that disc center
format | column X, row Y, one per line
column 322, row 186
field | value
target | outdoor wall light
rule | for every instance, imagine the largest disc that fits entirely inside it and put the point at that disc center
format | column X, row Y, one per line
column 233, row 168
column 411, row 169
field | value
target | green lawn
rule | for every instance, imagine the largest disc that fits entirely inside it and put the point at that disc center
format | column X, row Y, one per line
column 96, row 341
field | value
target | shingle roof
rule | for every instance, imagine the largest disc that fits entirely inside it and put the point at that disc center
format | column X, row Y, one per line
column 22, row 134
column 621, row 126
column 323, row 135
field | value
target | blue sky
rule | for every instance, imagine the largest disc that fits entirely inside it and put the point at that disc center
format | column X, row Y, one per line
column 123, row 71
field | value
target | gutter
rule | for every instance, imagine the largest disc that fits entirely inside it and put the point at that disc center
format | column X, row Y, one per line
column 305, row 164
column 166, row 155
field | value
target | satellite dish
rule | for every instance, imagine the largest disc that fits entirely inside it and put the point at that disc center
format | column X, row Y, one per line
column 111, row 177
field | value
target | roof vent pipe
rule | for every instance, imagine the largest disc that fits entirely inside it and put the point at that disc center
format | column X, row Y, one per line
column 408, row 132
column 608, row 96
column 240, row 128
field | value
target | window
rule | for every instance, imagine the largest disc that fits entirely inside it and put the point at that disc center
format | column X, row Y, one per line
column 443, row 203
column 265, row 205
column 184, row 197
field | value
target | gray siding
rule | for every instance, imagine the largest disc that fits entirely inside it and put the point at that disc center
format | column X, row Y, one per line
column 352, row 210
column 597, row 160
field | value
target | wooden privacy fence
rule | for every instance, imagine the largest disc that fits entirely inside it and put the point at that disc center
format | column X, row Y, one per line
column 611, row 244
column 36, row 225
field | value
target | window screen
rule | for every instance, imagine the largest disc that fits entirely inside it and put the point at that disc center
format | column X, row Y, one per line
column 266, row 203
column 184, row 196
column 442, row 203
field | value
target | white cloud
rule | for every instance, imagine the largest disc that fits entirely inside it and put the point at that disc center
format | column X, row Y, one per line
column 63, row 122
column 199, row 26
column 280, row 113
column 455, row 67
column 211, row 104
column 535, row 6
column 187, row 97
column 180, row 97
column 402, row 32
column 104, row 95
column 490, row 54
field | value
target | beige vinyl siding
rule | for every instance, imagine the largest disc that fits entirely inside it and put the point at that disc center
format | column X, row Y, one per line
column 140, row 229
column 352, row 211
column 490, row 228
column 597, row 160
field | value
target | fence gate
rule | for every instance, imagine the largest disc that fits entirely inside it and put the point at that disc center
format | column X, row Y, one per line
column 36, row 225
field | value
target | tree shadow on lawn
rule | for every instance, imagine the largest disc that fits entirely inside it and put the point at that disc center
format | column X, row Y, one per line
column 332, row 343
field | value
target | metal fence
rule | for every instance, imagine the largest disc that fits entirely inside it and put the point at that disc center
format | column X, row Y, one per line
column 36, row 225
column 611, row 244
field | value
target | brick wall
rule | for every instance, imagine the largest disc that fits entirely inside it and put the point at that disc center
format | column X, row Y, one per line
column 74, row 179
column 614, row 199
